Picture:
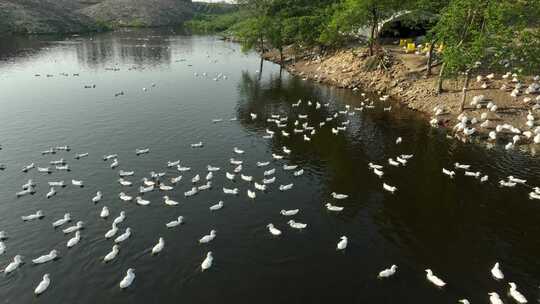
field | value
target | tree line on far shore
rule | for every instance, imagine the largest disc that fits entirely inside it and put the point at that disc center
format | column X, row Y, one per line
column 463, row 36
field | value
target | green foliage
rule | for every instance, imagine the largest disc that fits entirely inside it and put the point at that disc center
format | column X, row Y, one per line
column 479, row 31
column 497, row 33
column 284, row 22
column 251, row 32
column 206, row 23
column 103, row 25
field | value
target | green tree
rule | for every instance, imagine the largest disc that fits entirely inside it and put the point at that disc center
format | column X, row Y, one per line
column 476, row 33
column 354, row 16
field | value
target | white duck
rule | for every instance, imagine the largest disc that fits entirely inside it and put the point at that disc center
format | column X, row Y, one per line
column 17, row 261
column 273, row 230
column 262, row 164
column 342, row 244
column 515, row 294
column 175, row 223
column 124, row 182
column 120, row 218
column 128, row 279
column 112, row 232
column 159, row 246
column 124, row 236
column 98, row 197
column 289, row 212
column 125, row 197
column 111, row 255
column 494, row 298
column 260, row 187
column 140, row 201
column 331, row 207
column 191, row 192
column 208, row 238
column 339, row 196
column 104, row 212
column 31, row 217
column 78, row 226
column 246, row 178
column 448, row 172
column 375, row 166
column 230, row 191
column 170, row 202
column 74, row 240
column 43, row 285
column 434, row 279
column 392, row 162
column 62, row 221
column 77, row 183
column 207, row 263
column 51, row 193
column 296, row 225
column 496, row 272
column 267, row 181
column 285, row 187
column 176, row 180
column 46, row 258
column 388, row 272
column 217, row 206
column 289, row 167
column 389, row 188
column 378, row 172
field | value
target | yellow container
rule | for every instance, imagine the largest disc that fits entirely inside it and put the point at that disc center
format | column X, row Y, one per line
column 411, row 48
column 404, row 42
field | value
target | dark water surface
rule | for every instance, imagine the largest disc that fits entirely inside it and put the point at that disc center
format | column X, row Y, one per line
column 459, row 228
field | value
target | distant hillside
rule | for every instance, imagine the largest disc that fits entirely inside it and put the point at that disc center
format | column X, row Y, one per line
column 213, row 8
column 43, row 16
column 71, row 16
column 140, row 12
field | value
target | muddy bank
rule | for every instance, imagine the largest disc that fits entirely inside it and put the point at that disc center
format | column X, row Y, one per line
column 402, row 77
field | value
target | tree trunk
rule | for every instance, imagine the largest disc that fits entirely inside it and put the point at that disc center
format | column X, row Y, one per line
column 430, row 58
column 372, row 37
column 465, row 88
column 281, row 56
column 260, row 68
column 440, row 80
column 261, row 42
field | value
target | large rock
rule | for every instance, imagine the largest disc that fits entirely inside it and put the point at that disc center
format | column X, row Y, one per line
column 43, row 16
column 140, row 12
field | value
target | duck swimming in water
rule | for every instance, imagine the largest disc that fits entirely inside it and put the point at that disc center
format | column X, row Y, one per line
column 38, row 215
column 273, row 230
column 62, row 221
column 46, row 258
column 207, row 263
column 342, row 244
column 43, row 285
column 17, row 261
column 111, row 255
column 175, row 223
column 128, row 279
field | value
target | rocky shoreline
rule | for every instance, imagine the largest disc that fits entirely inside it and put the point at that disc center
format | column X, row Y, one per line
column 499, row 109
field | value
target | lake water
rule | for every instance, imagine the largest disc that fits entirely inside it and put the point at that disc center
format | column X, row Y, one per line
column 457, row 227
